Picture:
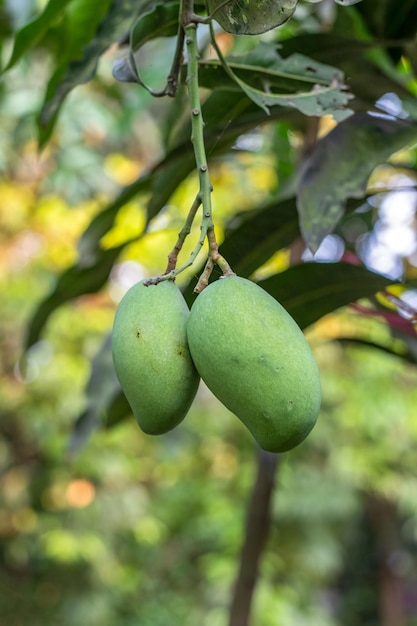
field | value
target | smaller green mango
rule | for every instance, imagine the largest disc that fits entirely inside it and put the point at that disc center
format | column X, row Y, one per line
column 151, row 355
column 254, row 358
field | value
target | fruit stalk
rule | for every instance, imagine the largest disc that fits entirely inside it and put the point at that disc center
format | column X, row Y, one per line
column 197, row 139
column 189, row 21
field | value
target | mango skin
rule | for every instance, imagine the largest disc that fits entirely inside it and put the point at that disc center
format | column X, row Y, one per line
column 151, row 356
column 254, row 358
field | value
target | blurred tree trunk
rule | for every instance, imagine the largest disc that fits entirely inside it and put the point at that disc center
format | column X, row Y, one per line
column 258, row 521
column 383, row 517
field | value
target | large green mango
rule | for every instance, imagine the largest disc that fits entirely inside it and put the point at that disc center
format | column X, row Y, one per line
column 151, row 355
column 255, row 359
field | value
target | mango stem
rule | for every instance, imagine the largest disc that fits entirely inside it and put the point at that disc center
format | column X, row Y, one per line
column 189, row 23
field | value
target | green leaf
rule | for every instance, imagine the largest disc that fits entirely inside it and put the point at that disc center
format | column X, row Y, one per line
column 83, row 18
column 75, row 71
column 75, row 281
column 311, row 87
column 105, row 402
column 400, row 350
column 347, row 54
column 89, row 249
column 265, row 67
column 311, row 290
column 390, row 19
column 340, row 166
column 246, row 17
column 259, row 235
column 160, row 21
column 116, row 411
column 32, row 33
column 252, row 237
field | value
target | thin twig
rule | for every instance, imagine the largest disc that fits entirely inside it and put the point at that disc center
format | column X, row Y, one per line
column 182, row 235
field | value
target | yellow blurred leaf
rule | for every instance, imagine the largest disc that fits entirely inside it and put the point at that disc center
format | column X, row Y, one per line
column 129, row 224
column 121, row 169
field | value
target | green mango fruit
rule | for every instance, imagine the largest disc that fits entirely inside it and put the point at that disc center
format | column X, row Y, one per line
column 151, row 355
column 254, row 358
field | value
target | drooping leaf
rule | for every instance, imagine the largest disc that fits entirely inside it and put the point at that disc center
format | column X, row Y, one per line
column 401, row 351
column 116, row 411
column 311, row 290
column 33, row 32
column 83, row 17
column 340, row 166
column 75, row 281
column 160, row 21
column 246, row 17
column 72, row 72
column 259, row 235
column 105, row 402
column 89, row 249
column 269, row 80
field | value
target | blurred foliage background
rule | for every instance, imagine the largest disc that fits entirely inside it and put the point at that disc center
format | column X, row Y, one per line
column 122, row 528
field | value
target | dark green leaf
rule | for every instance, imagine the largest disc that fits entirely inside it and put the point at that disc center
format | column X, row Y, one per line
column 105, row 402
column 32, row 33
column 340, row 166
column 160, row 21
column 245, row 17
column 117, row 410
column 259, row 234
column 390, row 19
column 311, row 290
